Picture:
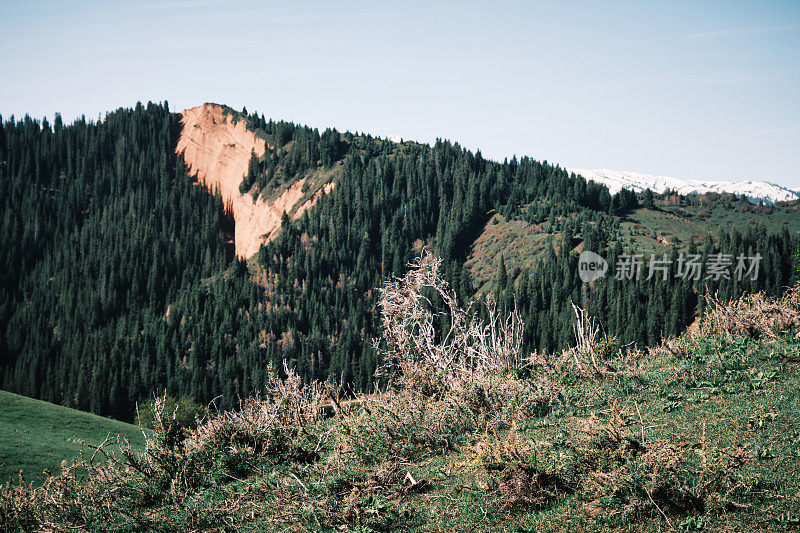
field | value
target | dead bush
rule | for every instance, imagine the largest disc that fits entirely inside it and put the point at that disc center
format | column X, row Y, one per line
column 523, row 473
column 131, row 490
column 448, row 384
column 18, row 507
column 186, row 412
column 429, row 359
column 631, row 478
column 529, row 487
column 404, row 423
column 595, row 355
column 752, row 315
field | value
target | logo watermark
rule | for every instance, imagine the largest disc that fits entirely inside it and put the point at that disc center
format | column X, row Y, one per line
column 592, row 266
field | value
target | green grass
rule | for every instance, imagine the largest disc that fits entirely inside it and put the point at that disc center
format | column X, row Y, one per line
column 36, row 436
column 741, row 215
column 683, row 400
column 715, row 416
column 712, row 394
column 520, row 243
column 654, row 230
column 645, row 231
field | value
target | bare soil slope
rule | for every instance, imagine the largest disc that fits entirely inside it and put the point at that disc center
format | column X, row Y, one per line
column 217, row 152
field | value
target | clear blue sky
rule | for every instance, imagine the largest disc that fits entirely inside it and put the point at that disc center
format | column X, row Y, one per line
column 690, row 89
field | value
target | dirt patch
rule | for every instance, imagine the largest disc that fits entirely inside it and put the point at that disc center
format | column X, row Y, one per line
column 217, row 152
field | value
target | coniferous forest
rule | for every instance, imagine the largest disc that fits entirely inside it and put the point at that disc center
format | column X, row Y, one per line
column 117, row 281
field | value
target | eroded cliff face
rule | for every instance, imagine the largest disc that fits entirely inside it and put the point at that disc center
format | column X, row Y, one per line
column 217, row 152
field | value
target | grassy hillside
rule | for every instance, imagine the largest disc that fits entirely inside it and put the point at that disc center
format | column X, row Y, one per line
column 644, row 230
column 652, row 230
column 519, row 242
column 36, row 436
column 699, row 434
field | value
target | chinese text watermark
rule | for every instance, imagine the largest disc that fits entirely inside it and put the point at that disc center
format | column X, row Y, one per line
column 634, row 267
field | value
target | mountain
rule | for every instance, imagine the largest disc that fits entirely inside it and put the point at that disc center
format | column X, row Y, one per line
column 638, row 182
column 191, row 251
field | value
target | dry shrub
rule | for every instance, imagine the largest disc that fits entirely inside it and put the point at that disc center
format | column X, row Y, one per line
column 503, row 399
column 467, row 351
column 378, row 502
column 752, row 315
column 666, row 480
column 447, row 385
column 523, row 473
column 678, row 346
column 407, row 422
column 607, row 348
column 256, row 429
column 404, row 423
column 614, row 473
column 165, row 486
column 594, row 355
column 586, row 330
column 632, row 479
column 475, row 363
column 184, row 410
column 658, row 480
column 529, row 487
column 263, row 427
column 102, row 492
column 352, row 495
column 18, row 510
column 599, row 443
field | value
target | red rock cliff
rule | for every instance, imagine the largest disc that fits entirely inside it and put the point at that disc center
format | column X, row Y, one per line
column 217, row 152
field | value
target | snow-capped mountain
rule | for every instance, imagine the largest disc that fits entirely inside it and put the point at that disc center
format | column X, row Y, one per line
column 637, row 181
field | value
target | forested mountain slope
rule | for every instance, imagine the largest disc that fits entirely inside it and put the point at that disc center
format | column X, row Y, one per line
column 117, row 282
column 102, row 231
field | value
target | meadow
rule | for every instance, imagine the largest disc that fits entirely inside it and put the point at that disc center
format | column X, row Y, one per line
column 35, row 436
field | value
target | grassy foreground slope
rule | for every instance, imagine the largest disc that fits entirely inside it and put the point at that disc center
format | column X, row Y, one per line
column 36, row 436
column 699, row 434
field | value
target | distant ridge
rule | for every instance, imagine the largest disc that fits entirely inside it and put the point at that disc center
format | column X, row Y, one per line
column 638, row 181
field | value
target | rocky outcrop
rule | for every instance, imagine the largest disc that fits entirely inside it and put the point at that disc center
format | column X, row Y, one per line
column 217, row 152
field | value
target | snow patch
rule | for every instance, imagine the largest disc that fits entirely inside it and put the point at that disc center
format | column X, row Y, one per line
column 638, row 181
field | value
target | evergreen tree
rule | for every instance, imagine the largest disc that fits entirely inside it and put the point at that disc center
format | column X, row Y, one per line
column 648, row 201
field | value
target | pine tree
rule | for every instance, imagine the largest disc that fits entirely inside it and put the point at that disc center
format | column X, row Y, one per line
column 648, row 202
column 796, row 263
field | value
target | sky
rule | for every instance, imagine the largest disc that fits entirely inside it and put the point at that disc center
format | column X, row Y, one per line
column 700, row 90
